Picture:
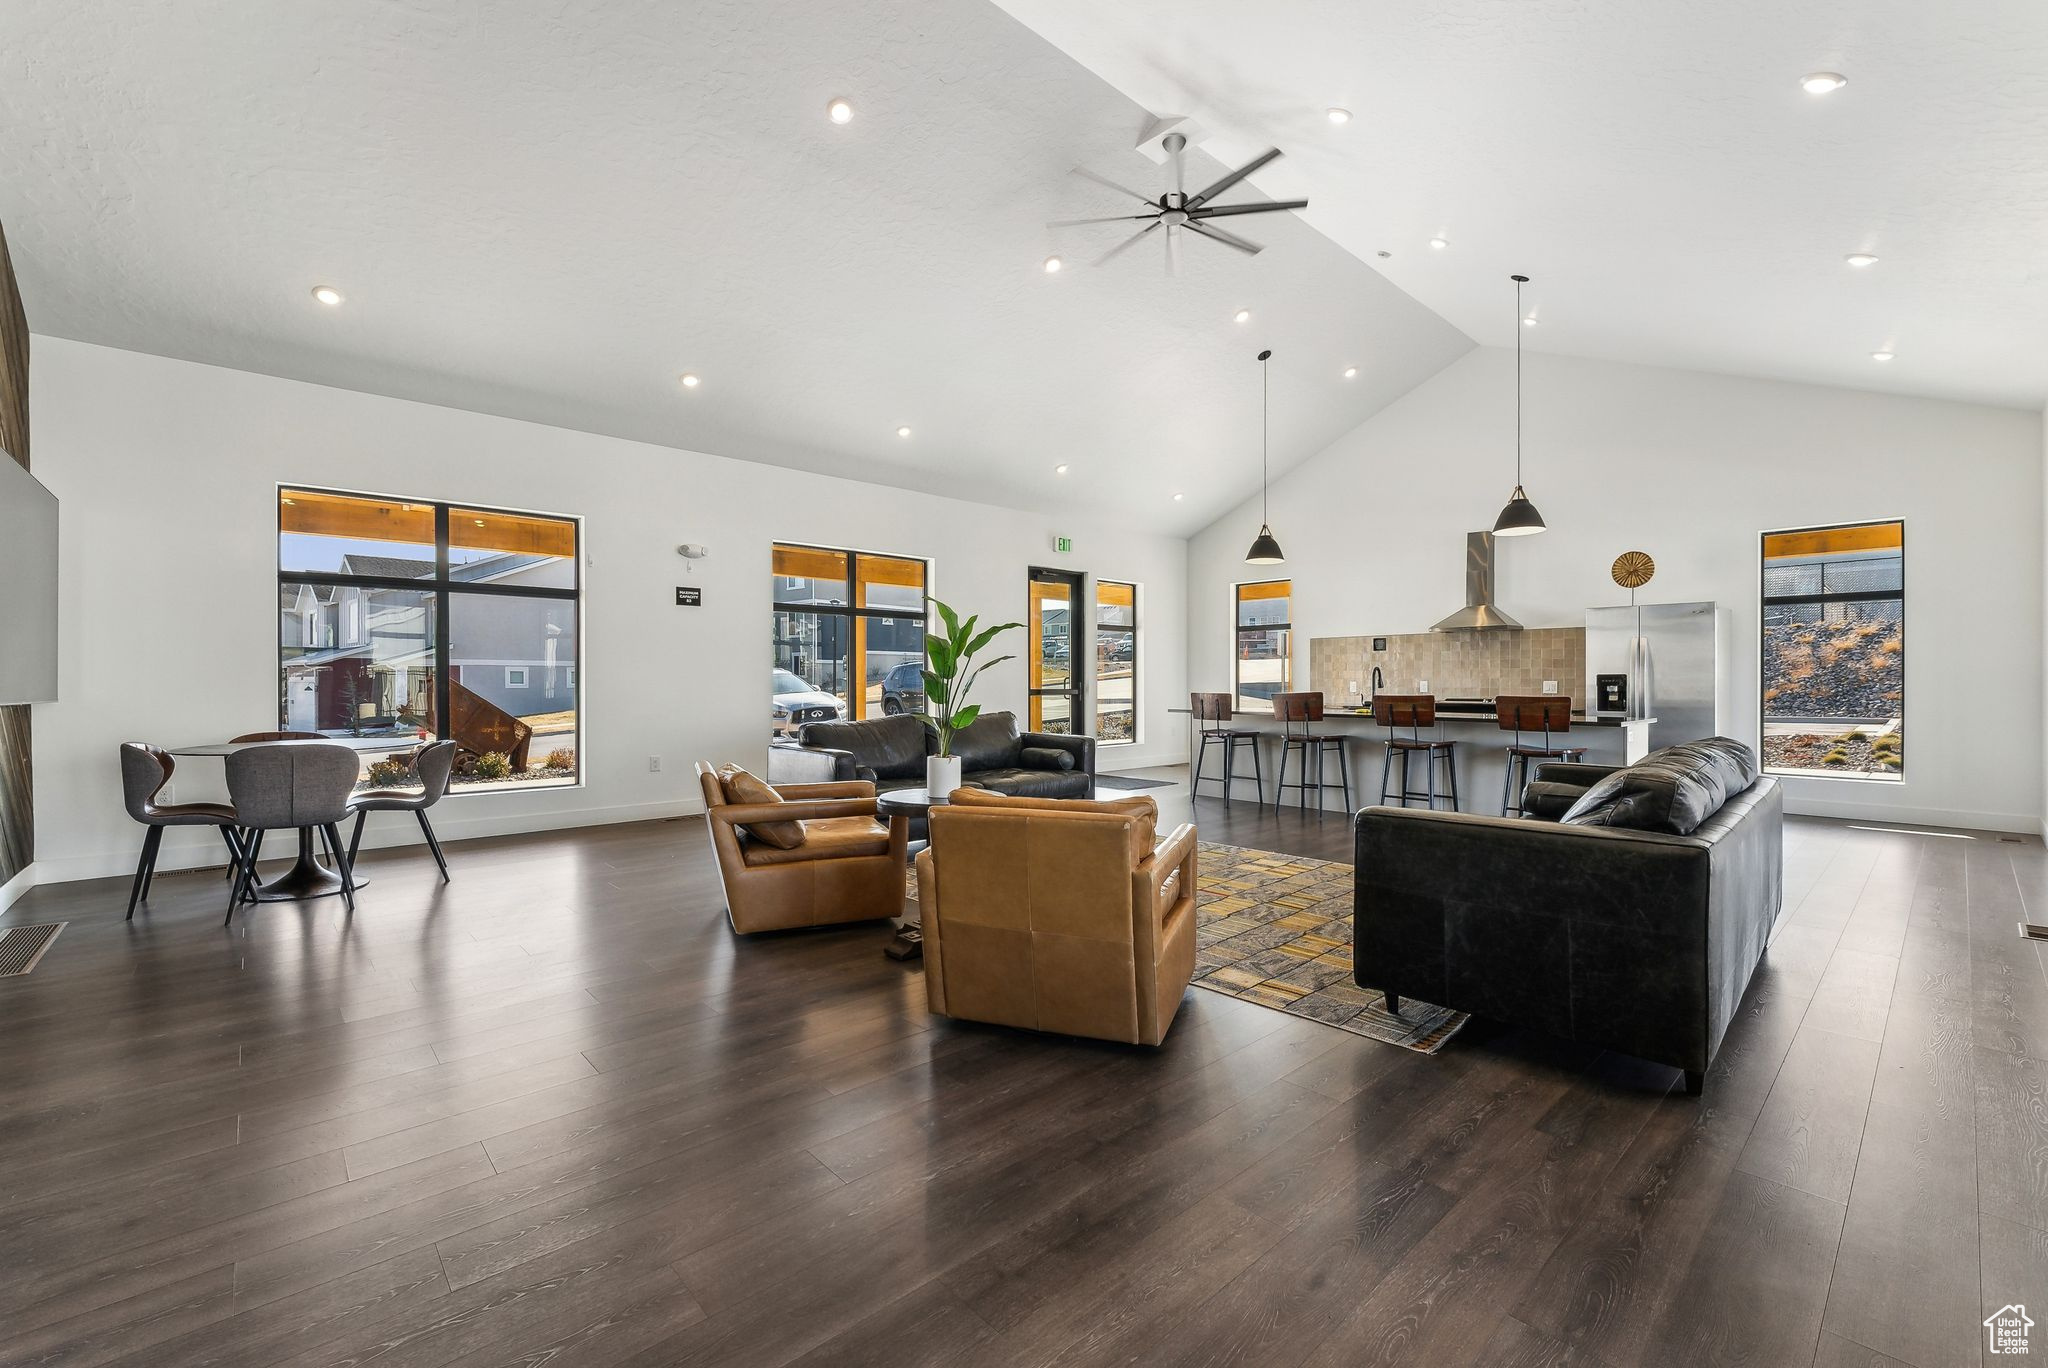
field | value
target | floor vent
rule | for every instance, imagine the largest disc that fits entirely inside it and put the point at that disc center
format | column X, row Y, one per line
column 2011, row 840
column 22, row 946
column 2027, row 929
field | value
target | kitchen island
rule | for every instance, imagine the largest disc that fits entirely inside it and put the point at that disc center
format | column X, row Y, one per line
column 1481, row 750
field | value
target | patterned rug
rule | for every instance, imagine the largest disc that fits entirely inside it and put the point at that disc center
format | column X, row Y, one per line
column 1276, row 930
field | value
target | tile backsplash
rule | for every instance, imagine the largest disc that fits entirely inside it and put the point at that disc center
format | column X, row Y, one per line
column 1456, row 664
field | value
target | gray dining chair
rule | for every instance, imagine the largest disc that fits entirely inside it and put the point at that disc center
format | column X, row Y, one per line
column 247, row 738
column 432, row 764
column 144, row 772
column 297, row 787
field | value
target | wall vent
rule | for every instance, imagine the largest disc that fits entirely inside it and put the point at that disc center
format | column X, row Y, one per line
column 22, row 946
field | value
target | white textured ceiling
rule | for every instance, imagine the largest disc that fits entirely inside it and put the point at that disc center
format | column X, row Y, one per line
column 550, row 211
column 1652, row 164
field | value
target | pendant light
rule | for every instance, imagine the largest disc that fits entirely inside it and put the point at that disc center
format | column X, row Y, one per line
column 1519, row 518
column 1265, row 550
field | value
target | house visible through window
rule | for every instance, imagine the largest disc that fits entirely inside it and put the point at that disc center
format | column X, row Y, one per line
column 406, row 620
column 1834, row 651
column 1116, row 662
column 849, row 636
column 1262, row 664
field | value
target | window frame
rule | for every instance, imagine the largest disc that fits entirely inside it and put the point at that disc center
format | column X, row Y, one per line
column 851, row 611
column 1108, row 632
column 1766, row 601
column 525, row 680
column 444, row 589
column 1238, row 631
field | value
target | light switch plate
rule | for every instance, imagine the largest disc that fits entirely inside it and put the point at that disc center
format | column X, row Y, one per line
column 1422, row 686
column 1550, row 686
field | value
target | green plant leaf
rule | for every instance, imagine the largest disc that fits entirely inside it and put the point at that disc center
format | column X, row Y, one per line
column 965, row 717
column 944, row 663
column 983, row 640
column 947, row 616
column 934, row 687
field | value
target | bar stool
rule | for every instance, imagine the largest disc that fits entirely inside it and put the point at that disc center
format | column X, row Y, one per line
column 1212, row 710
column 1545, row 713
column 1304, row 709
column 1416, row 712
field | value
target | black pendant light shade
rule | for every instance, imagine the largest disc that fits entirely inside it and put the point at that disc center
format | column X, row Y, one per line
column 1265, row 548
column 1519, row 518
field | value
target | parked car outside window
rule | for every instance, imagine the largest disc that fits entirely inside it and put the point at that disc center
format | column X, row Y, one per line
column 796, row 703
column 903, row 689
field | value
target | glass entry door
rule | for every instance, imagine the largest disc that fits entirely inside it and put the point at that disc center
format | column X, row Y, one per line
column 1058, row 638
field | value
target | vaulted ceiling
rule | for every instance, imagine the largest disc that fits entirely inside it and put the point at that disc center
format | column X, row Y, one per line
column 1655, row 167
column 553, row 212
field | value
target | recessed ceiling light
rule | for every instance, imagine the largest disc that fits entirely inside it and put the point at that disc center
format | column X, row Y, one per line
column 1059, row 470
column 690, row 381
column 903, row 432
column 1241, row 316
column 1339, row 116
column 1178, row 497
column 1880, row 356
column 1052, row 265
column 1351, row 372
column 327, row 295
column 839, row 112
column 1860, row 259
column 1439, row 243
column 1823, row 82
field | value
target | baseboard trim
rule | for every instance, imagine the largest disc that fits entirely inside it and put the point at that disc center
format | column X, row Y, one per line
column 200, row 847
column 2027, row 824
column 1119, row 759
column 22, row 882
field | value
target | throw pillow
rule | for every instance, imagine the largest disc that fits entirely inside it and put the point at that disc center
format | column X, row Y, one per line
column 743, row 788
column 1672, row 790
column 1046, row 758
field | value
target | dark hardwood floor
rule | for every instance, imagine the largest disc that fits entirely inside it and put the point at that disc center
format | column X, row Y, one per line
column 555, row 1112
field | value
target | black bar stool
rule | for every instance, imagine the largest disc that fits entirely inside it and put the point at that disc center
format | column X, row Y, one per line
column 1545, row 713
column 1416, row 712
column 1212, row 715
column 1303, row 709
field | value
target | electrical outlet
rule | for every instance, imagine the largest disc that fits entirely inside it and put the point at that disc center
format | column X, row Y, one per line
column 1550, row 686
column 1422, row 686
column 1351, row 688
column 654, row 764
column 167, row 794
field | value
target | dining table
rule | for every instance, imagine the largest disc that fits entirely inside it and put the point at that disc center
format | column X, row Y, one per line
column 307, row 878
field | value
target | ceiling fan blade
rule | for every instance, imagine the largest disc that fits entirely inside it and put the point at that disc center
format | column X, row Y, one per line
column 1086, row 174
column 1154, row 224
column 1271, row 154
column 1263, row 207
column 1113, row 218
column 1244, row 245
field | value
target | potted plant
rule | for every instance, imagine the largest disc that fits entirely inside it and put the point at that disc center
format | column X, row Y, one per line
column 952, row 666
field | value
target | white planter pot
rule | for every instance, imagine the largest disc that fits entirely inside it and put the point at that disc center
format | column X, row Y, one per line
column 941, row 775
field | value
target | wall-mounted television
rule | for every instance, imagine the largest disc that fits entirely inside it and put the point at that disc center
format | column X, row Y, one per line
column 28, row 587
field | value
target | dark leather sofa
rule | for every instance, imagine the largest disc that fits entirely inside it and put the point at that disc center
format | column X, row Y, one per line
column 890, row 752
column 1628, row 910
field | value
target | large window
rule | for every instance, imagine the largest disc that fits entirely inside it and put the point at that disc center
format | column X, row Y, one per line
column 1263, row 665
column 1834, row 651
column 849, row 636
column 402, row 620
column 1116, row 662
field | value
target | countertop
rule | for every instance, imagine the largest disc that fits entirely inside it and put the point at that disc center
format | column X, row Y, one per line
column 1490, row 719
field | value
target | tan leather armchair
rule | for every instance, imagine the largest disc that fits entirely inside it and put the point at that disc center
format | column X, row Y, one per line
column 1057, row 915
column 849, row 867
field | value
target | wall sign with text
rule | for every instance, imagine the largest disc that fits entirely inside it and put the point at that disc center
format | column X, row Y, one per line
column 688, row 596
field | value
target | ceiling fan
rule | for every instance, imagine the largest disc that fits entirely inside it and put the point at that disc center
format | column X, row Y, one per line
column 1177, row 210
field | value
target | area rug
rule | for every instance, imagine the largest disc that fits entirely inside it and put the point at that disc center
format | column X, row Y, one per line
column 1276, row 930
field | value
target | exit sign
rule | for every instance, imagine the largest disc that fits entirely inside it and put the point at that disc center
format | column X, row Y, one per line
column 1063, row 545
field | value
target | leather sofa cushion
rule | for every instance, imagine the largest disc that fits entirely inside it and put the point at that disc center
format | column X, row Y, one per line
column 1144, row 831
column 825, row 838
column 1549, row 801
column 740, row 788
column 989, row 742
column 892, row 747
column 1035, row 783
column 1046, row 758
column 1672, row 790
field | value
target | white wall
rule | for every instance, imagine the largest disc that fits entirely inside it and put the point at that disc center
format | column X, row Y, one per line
column 1689, row 467
column 166, row 473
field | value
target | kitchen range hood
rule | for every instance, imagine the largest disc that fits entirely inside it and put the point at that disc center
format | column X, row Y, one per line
column 1478, row 614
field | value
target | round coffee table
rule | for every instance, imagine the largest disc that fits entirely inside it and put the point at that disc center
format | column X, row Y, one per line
column 905, row 806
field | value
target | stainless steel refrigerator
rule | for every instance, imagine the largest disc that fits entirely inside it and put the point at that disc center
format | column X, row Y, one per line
column 1673, row 660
